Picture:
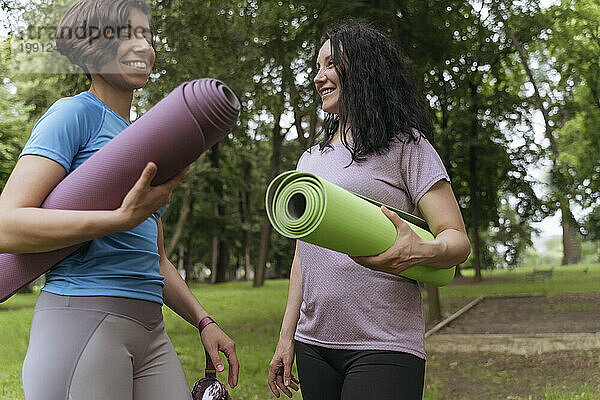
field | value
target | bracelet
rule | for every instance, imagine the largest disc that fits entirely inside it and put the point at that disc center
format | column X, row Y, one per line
column 204, row 322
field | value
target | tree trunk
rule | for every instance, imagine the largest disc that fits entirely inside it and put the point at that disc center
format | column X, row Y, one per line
column 245, row 207
column 223, row 270
column 220, row 258
column 183, row 213
column 189, row 262
column 181, row 261
column 457, row 272
column 473, row 172
column 434, row 309
column 474, row 208
column 306, row 141
column 247, row 265
column 263, row 252
column 299, row 129
column 223, row 267
column 312, row 128
column 214, row 259
column 571, row 242
column 266, row 229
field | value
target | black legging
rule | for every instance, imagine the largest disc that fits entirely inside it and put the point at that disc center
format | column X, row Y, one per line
column 330, row 374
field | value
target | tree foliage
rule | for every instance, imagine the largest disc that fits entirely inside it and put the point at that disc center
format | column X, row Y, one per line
column 462, row 55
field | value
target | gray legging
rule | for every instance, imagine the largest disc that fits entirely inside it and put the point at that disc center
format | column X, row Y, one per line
column 108, row 348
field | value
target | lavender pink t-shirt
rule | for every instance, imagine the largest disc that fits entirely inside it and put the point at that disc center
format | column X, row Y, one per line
column 348, row 306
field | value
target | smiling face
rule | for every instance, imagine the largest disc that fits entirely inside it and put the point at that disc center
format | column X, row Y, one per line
column 327, row 80
column 135, row 56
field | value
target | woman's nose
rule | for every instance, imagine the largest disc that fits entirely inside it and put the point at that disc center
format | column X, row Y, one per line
column 142, row 44
column 320, row 77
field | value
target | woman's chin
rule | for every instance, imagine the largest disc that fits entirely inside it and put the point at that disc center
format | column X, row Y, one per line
column 330, row 108
column 138, row 83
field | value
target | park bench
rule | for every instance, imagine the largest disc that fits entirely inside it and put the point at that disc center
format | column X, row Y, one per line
column 540, row 274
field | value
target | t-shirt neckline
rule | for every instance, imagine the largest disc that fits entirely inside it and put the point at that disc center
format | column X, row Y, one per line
column 96, row 99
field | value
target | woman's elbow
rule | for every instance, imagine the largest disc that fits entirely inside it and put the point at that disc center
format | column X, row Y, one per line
column 8, row 244
column 4, row 247
column 465, row 250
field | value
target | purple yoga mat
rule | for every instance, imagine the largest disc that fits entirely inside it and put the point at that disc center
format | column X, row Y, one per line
column 173, row 133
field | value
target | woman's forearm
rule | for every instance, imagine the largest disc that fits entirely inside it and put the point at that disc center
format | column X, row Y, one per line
column 35, row 230
column 451, row 247
column 178, row 297
column 294, row 302
column 176, row 294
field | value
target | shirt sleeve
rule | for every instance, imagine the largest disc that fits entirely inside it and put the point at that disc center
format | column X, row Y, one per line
column 299, row 164
column 61, row 132
column 159, row 213
column 421, row 168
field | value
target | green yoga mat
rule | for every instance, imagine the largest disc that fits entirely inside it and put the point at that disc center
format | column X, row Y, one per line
column 303, row 206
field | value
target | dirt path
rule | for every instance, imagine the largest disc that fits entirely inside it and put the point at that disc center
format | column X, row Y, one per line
column 517, row 347
column 572, row 313
column 524, row 325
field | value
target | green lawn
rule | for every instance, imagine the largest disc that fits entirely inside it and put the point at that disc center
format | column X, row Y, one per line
column 565, row 279
column 252, row 318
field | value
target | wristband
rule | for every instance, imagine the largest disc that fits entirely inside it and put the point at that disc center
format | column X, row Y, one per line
column 204, row 322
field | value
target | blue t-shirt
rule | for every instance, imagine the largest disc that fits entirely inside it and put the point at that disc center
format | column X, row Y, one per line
column 124, row 264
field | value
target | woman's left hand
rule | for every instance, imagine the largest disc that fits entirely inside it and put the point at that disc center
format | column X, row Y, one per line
column 214, row 341
column 403, row 254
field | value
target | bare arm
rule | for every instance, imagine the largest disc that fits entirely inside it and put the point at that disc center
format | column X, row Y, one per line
column 27, row 228
column 450, row 247
column 294, row 302
column 176, row 293
column 280, row 368
column 180, row 299
column 440, row 208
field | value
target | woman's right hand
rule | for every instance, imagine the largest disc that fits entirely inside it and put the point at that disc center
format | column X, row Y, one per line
column 144, row 199
column 280, row 369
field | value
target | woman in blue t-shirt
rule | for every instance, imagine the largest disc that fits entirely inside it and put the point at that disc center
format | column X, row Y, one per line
column 97, row 331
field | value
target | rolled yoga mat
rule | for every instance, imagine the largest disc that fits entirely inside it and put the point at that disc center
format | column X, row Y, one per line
column 303, row 206
column 172, row 134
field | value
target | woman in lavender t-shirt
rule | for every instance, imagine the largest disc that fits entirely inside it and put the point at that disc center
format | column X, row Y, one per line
column 355, row 326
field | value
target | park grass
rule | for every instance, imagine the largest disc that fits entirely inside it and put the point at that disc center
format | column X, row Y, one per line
column 565, row 279
column 583, row 392
column 252, row 318
column 488, row 382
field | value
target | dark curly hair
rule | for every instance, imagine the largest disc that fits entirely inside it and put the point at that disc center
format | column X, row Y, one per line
column 379, row 101
column 90, row 30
